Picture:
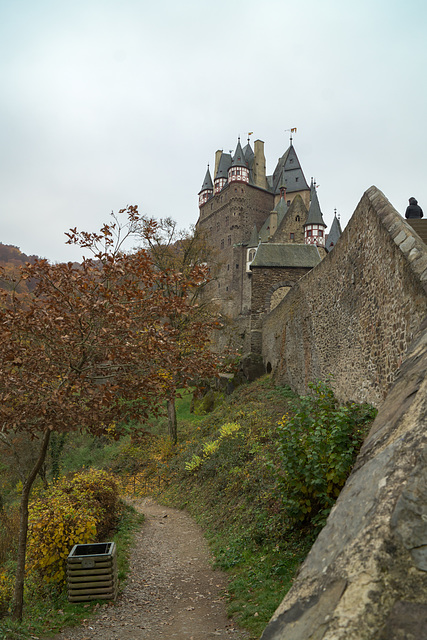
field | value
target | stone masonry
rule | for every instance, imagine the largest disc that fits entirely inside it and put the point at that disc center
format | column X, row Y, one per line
column 355, row 314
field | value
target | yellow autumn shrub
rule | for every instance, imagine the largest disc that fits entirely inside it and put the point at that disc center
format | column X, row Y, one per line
column 72, row 512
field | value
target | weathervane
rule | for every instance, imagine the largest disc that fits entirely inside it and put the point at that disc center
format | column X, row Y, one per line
column 293, row 130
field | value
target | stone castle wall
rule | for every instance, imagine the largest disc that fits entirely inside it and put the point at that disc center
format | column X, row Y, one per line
column 355, row 314
column 365, row 577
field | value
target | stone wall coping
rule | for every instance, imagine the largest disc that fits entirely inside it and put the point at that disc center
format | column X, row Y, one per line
column 404, row 236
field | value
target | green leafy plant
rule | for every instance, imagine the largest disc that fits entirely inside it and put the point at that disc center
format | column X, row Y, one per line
column 318, row 443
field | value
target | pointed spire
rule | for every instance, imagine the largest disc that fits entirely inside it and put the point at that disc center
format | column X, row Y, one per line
column 314, row 212
column 289, row 167
column 239, row 159
column 334, row 234
column 207, row 182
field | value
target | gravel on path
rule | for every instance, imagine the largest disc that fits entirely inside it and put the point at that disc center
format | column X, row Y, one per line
column 171, row 592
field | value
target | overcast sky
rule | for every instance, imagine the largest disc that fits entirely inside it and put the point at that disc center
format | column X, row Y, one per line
column 106, row 103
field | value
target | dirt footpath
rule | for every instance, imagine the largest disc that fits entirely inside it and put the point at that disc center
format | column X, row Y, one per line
column 171, row 592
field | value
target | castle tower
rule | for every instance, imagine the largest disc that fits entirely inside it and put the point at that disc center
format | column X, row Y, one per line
column 314, row 228
column 239, row 170
column 206, row 191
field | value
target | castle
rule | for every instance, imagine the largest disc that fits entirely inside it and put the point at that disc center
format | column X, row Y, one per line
column 360, row 315
column 268, row 231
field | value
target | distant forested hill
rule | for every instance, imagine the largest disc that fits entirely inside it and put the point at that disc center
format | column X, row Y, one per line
column 11, row 259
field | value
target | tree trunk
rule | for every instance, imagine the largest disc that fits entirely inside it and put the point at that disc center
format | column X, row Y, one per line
column 172, row 420
column 18, row 596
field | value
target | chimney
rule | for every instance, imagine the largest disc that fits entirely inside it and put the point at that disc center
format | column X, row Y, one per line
column 258, row 167
column 218, row 155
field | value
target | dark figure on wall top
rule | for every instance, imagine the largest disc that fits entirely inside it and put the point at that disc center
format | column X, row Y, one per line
column 414, row 210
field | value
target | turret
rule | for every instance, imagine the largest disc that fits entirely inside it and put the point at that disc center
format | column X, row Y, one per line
column 314, row 228
column 221, row 175
column 206, row 191
column 239, row 170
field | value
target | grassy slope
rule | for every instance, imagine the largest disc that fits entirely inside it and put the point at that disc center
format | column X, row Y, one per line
column 233, row 496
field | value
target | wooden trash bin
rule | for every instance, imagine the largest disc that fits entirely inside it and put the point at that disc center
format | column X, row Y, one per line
column 92, row 572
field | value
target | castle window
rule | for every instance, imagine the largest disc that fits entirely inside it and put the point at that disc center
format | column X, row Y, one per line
column 228, row 267
column 291, row 236
column 288, row 202
column 229, row 240
column 226, row 220
column 251, row 254
column 320, row 233
column 222, row 244
column 296, row 179
column 297, row 218
column 309, row 233
column 237, row 266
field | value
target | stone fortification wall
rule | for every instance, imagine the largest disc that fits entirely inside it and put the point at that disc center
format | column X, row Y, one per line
column 355, row 314
column 366, row 576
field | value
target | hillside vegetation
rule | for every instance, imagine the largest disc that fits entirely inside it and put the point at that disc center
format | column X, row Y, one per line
column 259, row 470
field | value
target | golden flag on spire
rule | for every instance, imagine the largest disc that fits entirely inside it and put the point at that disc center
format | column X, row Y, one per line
column 293, row 130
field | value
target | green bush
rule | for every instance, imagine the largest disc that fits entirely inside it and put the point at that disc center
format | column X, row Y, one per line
column 318, row 444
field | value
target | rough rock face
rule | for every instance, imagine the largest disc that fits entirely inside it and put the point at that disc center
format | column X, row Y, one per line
column 366, row 575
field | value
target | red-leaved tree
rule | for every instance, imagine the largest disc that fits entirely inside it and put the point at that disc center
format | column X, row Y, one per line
column 89, row 347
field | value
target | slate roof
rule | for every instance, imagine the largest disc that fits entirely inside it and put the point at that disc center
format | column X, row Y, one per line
column 249, row 154
column 254, row 239
column 281, row 209
column 264, row 232
column 207, row 182
column 223, row 166
column 239, row 159
column 334, row 234
column 314, row 213
column 289, row 172
column 286, row 255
